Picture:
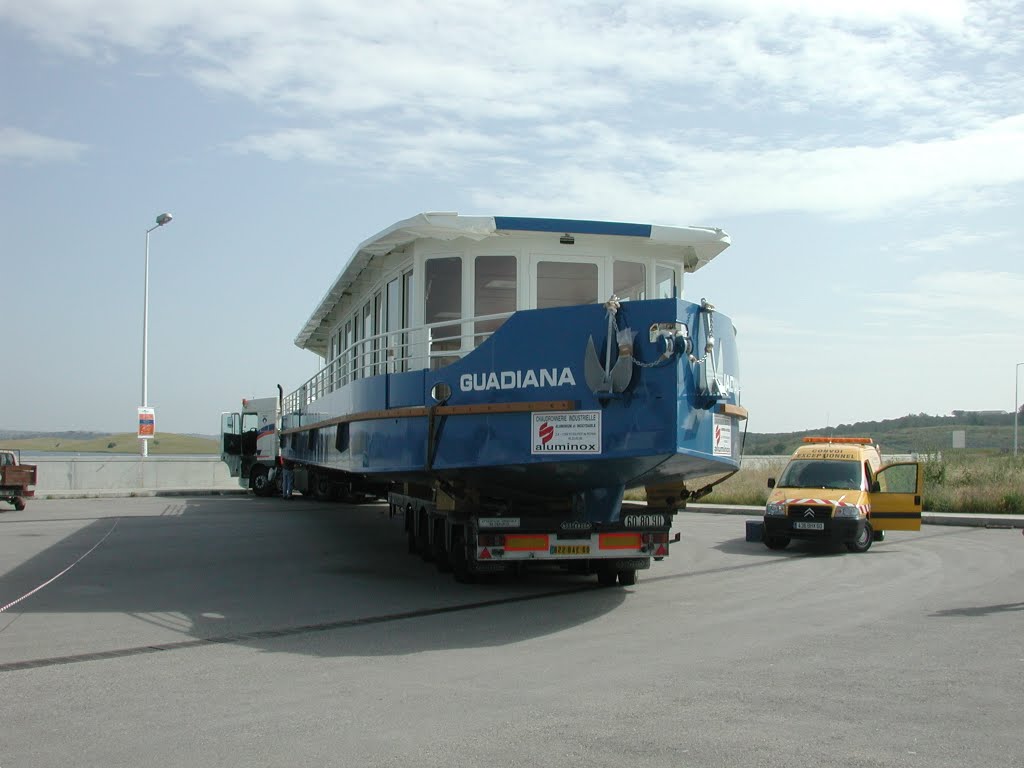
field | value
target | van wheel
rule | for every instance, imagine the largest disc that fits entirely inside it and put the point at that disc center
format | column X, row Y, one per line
column 776, row 542
column 19, row 504
column 863, row 541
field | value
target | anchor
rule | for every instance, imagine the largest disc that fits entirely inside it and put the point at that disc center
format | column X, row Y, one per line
column 610, row 379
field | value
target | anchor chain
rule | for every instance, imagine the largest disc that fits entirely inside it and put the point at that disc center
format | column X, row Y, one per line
column 709, row 345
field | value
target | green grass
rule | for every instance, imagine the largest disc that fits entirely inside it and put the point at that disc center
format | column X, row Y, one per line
column 166, row 444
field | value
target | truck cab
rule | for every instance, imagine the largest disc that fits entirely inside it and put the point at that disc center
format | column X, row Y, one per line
column 16, row 479
column 838, row 490
column 250, row 443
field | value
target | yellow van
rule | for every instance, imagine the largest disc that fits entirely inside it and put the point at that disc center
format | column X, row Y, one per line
column 836, row 489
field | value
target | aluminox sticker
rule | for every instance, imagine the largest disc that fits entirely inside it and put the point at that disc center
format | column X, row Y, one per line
column 575, row 432
column 723, row 435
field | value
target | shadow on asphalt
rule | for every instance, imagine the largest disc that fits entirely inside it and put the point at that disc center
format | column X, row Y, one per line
column 979, row 610
column 297, row 577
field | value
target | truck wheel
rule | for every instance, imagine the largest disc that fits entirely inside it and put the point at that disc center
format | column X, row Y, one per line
column 627, row 578
column 259, row 481
column 606, row 577
column 776, row 542
column 863, row 541
column 19, row 503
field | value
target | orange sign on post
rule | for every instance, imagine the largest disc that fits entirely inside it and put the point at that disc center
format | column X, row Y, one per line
column 147, row 422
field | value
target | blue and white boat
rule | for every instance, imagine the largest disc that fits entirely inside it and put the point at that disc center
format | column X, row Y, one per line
column 521, row 365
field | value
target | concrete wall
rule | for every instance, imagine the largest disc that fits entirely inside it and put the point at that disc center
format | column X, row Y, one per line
column 125, row 475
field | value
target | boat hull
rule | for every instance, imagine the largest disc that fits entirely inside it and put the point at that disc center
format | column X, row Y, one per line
column 521, row 415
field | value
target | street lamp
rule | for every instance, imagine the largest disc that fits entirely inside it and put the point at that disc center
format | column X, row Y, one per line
column 162, row 219
column 1016, row 403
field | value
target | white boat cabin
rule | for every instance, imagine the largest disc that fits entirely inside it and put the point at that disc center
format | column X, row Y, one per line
column 432, row 288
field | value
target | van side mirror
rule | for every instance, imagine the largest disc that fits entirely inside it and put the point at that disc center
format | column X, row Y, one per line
column 771, row 482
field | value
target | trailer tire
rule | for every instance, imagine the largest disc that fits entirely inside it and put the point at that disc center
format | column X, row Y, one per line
column 19, row 503
column 321, row 486
column 410, row 532
column 627, row 578
column 259, row 481
column 606, row 577
column 441, row 558
column 460, row 559
column 423, row 540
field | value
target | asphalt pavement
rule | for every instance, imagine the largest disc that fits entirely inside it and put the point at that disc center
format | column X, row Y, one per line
column 235, row 631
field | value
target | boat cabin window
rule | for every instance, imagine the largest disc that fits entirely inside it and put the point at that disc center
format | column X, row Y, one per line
column 442, row 279
column 566, row 284
column 629, row 281
column 494, row 293
column 665, row 282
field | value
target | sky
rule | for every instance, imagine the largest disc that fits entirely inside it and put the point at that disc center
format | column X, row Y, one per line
column 866, row 158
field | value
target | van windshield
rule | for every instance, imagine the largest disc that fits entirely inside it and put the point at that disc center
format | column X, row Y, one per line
column 806, row 473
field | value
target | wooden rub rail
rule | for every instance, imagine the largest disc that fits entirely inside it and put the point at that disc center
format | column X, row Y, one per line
column 418, row 411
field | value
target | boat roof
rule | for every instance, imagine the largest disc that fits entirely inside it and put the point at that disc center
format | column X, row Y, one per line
column 697, row 246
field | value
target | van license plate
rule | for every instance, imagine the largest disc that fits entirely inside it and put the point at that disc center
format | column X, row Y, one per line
column 801, row 526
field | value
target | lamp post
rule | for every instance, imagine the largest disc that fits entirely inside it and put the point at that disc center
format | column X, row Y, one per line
column 162, row 219
column 1016, row 403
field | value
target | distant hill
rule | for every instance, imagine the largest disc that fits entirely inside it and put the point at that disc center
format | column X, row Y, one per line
column 984, row 430
column 17, row 434
column 164, row 444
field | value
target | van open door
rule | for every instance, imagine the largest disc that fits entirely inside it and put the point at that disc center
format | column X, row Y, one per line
column 896, row 497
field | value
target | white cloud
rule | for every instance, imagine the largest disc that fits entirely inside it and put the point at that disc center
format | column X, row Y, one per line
column 981, row 301
column 20, row 145
column 665, row 177
column 954, row 240
column 710, row 106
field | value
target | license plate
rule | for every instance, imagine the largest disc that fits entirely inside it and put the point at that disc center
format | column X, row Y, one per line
column 809, row 526
column 575, row 549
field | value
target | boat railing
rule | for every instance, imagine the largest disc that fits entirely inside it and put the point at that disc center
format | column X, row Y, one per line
column 429, row 346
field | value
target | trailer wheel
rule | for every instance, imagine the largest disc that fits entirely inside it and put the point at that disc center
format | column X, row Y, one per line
column 321, row 487
column 423, row 540
column 460, row 559
column 19, row 503
column 441, row 558
column 627, row 578
column 606, row 577
column 410, row 533
column 259, row 481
